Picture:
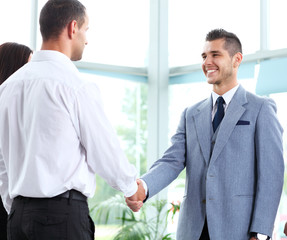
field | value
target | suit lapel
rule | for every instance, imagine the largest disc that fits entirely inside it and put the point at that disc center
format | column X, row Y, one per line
column 203, row 127
column 232, row 115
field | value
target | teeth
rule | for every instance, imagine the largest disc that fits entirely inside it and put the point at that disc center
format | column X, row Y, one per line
column 210, row 71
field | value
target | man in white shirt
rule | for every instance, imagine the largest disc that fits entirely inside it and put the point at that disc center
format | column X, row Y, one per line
column 54, row 136
column 231, row 147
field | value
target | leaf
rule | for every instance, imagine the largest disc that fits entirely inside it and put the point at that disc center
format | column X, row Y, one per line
column 135, row 231
column 168, row 237
column 116, row 205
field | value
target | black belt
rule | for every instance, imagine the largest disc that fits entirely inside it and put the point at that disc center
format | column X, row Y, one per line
column 71, row 195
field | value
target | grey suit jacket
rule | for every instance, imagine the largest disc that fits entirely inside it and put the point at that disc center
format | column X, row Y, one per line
column 237, row 187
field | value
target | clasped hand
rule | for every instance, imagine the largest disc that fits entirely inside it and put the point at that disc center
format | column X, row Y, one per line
column 135, row 202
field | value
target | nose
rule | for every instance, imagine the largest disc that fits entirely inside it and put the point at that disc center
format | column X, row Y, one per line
column 206, row 60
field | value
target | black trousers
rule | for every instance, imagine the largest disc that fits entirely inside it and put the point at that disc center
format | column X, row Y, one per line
column 3, row 222
column 204, row 234
column 55, row 218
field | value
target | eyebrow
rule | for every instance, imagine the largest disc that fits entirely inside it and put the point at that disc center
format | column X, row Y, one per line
column 204, row 54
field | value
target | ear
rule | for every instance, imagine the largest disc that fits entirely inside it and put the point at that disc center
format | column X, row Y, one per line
column 237, row 58
column 72, row 28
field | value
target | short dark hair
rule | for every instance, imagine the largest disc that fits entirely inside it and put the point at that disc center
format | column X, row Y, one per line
column 57, row 14
column 232, row 42
column 12, row 57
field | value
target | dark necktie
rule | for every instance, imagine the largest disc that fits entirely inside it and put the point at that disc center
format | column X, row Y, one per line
column 219, row 113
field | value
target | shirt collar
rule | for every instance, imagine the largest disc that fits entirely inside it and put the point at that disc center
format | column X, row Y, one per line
column 50, row 55
column 226, row 96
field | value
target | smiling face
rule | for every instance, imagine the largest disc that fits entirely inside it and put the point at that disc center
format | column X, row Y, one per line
column 218, row 66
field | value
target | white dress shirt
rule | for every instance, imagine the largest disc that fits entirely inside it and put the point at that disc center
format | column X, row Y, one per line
column 54, row 134
column 227, row 99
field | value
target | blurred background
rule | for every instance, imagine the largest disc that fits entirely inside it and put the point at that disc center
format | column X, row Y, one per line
column 145, row 56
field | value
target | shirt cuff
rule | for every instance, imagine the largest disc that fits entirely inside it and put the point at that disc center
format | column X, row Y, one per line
column 144, row 186
column 259, row 236
column 131, row 190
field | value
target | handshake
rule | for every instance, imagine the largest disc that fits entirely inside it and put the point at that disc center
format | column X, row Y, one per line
column 135, row 202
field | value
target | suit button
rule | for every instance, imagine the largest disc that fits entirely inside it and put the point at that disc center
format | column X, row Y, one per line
column 203, row 201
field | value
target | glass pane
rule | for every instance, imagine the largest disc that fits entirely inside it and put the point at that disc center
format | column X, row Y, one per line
column 125, row 103
column 182, row 96
column 118, row 32
column 41, row 3
column 278, row 37
column 190, row 21
column 281, row 219
column 15, row 17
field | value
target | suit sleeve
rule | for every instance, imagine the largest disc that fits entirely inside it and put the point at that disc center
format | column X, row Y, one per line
column 166, row 169
column 269, row 169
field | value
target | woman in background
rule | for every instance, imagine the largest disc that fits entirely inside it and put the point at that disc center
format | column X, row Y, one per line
column 12, row 57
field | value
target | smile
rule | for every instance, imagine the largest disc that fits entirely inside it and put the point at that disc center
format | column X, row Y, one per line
column 211, row 71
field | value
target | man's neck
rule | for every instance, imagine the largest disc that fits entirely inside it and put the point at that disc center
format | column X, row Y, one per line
column 56, row 45
column 221, row 89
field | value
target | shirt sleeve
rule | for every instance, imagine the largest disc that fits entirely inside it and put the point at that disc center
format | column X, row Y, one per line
column 7, row 201
column 144, row 186
column 103, row 151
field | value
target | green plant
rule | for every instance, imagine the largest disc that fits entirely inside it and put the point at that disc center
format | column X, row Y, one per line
column 148, row 224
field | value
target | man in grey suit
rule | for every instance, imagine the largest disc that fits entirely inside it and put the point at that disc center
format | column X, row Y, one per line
column 232, row 151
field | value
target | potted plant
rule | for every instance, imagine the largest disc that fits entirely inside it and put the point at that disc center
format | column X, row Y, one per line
column 148, row 224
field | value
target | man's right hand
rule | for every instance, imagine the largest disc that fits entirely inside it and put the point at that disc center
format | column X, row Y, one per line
column 135, row 202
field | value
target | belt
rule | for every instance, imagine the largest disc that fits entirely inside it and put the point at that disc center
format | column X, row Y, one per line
column 71, row 195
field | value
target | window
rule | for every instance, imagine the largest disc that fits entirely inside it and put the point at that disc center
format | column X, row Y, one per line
column 278, row 37
column 119, row 35
column 190, row 21
column 16, row 25
column 119, row 32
